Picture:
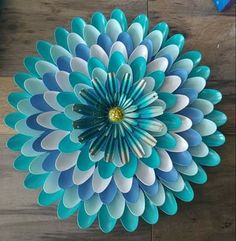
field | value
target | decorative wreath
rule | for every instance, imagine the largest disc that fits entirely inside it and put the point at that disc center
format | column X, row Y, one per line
column 114, row 122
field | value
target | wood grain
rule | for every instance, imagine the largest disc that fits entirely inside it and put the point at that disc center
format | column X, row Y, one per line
column 23, row 220
column 23, row 22
column 204, row 29
column 211, row 215
column 7, row 86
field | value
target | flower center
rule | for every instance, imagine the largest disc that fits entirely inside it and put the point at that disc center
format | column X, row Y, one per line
column 115, row 114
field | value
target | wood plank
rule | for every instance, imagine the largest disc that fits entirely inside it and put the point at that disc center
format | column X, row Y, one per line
column 7, row 86
column 198, row 8
column 210, row 216
column 205, row 30
column 22, row 219
column 227, row 105
column 22, row 24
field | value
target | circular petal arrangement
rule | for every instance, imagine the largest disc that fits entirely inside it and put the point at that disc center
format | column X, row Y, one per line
column 113, row 122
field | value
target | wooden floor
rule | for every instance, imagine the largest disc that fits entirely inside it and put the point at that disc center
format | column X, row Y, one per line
column 210, row 217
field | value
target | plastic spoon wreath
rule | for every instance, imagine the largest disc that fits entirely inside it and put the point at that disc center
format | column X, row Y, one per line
column 114, row 122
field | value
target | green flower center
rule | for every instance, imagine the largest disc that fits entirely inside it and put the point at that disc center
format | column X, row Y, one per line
column 115, row 114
